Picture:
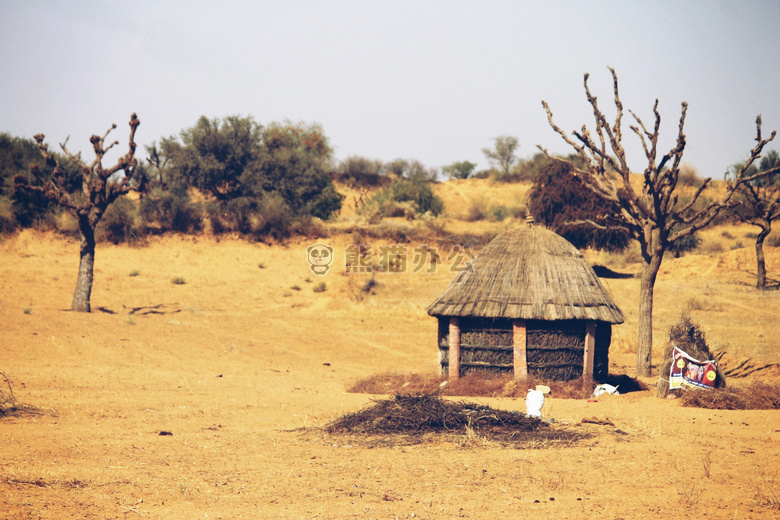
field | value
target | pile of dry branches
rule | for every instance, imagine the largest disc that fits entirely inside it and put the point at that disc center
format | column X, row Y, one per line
column 479, row 385
column 415, row 416
column 754, row 396
column 8, row 402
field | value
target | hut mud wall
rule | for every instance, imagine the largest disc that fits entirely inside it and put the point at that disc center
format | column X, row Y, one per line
column 554, row 349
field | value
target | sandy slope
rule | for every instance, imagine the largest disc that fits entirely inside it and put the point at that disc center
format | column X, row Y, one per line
column 240, row 355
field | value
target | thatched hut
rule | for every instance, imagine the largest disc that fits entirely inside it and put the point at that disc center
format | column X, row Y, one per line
column 527, row 304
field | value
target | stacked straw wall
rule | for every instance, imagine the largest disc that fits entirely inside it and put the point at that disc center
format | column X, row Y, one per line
column 555, row 349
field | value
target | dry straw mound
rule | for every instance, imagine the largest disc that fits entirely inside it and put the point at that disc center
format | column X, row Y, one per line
column 478, row 385
column 754, row 396
column 411, row 419
column 688, row 337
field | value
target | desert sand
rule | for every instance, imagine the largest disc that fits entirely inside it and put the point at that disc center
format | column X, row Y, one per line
column 186, row 401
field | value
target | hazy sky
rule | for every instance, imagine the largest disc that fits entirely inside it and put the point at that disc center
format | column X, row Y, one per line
column 429, row 80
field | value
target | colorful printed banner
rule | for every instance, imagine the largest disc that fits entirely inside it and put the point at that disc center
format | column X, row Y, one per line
column 687, row 371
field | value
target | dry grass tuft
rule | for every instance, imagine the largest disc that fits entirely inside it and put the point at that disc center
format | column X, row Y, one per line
column 754, row 396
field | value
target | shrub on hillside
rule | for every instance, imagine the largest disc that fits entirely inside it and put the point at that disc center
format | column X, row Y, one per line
column 118, row 224
column 684, row 245
column 360, row 172
column 688, row 177
column 403, row 198
column 326, row 203
column 476, row 210
column 171, row 211
column 273, row 217
column 7, row 219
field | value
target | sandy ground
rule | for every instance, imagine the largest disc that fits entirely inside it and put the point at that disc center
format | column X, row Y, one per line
column 236, row 359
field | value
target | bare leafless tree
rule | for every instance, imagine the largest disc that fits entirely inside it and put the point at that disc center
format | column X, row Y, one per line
column 650, row 211
column 99, row 189
column 760, row 206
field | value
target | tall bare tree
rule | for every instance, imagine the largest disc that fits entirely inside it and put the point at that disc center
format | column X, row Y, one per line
column 503, row 152
column 760, row 206
column 98, row 191
column 649, row 209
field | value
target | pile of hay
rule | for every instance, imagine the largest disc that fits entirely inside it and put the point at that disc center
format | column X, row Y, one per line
column 411, row 419
column 754, row 396
column 483, row 385
column 689, row 338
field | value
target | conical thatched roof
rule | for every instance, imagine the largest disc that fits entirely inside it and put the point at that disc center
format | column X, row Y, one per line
column 528, row 273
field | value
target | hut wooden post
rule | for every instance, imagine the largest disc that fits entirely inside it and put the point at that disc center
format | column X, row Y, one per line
column 590, row 350
column 444, row 328
column 454, row 354
column 520, row 352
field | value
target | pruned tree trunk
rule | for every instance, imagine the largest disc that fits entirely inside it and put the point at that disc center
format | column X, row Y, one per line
column 645, row 336
column 99, row 191
column 760, row 262
column 83, row 292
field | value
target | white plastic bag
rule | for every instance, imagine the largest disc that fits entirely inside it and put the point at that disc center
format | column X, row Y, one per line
column 605, row 389
column 533, row 403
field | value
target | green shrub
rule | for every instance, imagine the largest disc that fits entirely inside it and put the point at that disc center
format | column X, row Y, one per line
column 320, row 287
column 327, row 203
column 688, row 176
column 518, row 212
column 273, row 217
column 403, row 198
column 498, row 213
column 7, row 218
column 418, row 192
column 118, row 224
column 685, row 244
column 360, row 172
column 171, row 211
column 178, row 280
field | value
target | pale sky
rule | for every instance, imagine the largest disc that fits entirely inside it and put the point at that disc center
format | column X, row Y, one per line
column 434, row 81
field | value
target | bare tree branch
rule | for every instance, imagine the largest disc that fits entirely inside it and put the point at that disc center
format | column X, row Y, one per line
column 99, row 191
column 651, row 214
